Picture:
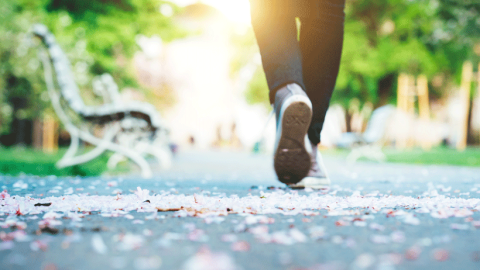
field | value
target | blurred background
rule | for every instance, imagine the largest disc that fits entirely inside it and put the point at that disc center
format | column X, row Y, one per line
column 198, row 63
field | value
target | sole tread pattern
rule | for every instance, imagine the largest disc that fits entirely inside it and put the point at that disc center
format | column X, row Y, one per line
column 291, row 160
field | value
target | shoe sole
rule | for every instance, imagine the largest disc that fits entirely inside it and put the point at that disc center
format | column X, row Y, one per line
column 291, row 159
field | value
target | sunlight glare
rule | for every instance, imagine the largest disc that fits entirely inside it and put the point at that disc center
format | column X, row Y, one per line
column 238, row 11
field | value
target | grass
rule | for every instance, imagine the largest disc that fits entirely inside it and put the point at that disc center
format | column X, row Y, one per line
column 436, row 156
column 16, row 160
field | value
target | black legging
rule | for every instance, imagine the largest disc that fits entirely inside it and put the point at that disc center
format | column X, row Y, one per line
column 312, row 62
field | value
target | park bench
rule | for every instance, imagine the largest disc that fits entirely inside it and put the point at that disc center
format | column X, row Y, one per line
column 133, row 130
column 369, row 143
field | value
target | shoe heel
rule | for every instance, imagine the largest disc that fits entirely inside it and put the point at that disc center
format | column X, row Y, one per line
column 291, row 160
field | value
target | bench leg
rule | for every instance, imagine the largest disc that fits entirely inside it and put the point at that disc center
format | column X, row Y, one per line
column 102, row 145
column 114, row 160
column 372, row 152
column 69, row 159
column 146, row 172
column 163, row 156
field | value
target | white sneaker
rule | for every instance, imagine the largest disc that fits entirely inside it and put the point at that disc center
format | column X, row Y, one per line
column 293, row 111
column 317, row 177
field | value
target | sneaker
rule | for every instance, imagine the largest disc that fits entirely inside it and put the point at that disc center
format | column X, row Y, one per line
column 317, row 177
column 293, row 111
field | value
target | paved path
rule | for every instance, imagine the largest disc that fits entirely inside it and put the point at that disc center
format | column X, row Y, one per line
column 227, row 211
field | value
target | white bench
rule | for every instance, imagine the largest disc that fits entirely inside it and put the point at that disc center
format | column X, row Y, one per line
column 133, row 130
column 369, row 143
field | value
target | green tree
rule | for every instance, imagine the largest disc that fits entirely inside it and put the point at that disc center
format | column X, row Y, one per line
column 97, row 36
column 108, row 29
column 385, row 38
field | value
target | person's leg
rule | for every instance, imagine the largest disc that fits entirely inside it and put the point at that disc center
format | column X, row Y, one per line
column 321, row 41
column 276, row 33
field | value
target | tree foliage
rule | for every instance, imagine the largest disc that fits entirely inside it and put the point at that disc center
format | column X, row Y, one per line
column 98, row 36
column 385, row 38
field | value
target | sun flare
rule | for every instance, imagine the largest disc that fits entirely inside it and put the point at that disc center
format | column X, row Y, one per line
column 238, row 11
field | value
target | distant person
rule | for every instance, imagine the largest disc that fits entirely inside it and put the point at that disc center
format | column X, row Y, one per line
column 301, row 75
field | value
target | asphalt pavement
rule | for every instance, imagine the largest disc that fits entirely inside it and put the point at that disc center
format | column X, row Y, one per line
column 226, row 210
